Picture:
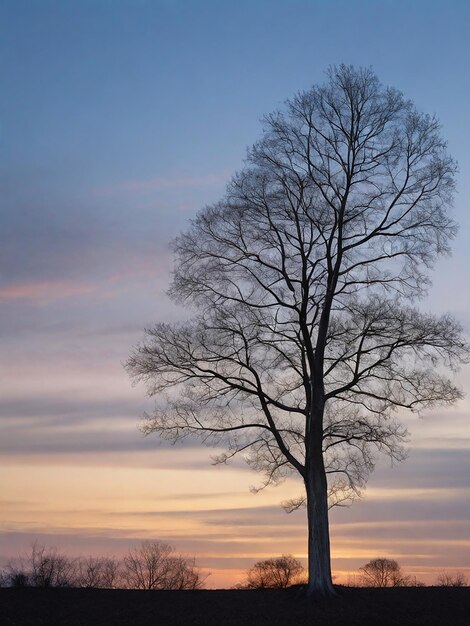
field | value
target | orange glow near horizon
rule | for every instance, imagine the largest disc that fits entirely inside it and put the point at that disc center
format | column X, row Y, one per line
column 76, row 473
column 106, row 508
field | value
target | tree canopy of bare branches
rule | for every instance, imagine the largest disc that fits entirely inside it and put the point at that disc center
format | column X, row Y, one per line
column 456, row 579
column 383, row 572
column 277, row 573
column 303, row 280
column 155, row 565
column 97, row 573
column 44, row 566
column 152, row 565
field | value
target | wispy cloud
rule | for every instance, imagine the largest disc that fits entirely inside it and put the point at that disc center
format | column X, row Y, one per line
column 162, row 182
column 45, row 290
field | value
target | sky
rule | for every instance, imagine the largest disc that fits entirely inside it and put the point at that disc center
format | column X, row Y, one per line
column 119, row 120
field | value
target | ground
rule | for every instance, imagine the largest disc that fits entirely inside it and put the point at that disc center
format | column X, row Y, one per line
column 353, row 607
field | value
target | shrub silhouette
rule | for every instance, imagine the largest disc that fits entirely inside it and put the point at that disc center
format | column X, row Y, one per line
column 276, row 573
column 382, row 572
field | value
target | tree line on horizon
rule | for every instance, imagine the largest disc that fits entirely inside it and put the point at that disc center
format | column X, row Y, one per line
column 151, row 565
column 286, row 571
column 156, row 565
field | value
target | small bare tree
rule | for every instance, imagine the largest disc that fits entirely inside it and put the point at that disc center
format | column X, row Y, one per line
column 457, row 579
column 154, row 565
column 383, row 572
column 303, row 278
column 277, row 573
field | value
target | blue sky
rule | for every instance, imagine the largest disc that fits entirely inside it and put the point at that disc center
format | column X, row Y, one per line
column 118, row 121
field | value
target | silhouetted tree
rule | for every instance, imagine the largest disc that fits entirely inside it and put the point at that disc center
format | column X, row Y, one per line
column 457, row 579
column 276, row 573
column 154, row 565
column 49, row 568
column 383, row 573
column 97, row 573
column 185, row 574
column 43, row 567
column 303, row 341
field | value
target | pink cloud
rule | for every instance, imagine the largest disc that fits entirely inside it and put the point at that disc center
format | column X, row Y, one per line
column 45, row 290
column 162, row 182
column 134, row 271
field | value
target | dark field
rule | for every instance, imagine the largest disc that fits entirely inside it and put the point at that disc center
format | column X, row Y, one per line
column 361, row 607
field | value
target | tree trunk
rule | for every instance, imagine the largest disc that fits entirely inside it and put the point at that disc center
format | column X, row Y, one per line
column 319, row 566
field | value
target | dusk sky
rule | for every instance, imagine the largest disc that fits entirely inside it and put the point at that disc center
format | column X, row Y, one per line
column 119, row 120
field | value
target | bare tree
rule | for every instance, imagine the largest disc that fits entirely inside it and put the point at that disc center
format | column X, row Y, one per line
column 302, row 279
column 49, row 568
column 383, row 573
column 43, row 567
column 277, row 573
column 184, row 574
column 458, row 579
column 154, row 565
column 97, row 573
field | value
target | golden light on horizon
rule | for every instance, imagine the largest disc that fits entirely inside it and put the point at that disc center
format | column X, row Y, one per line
column 93, row 505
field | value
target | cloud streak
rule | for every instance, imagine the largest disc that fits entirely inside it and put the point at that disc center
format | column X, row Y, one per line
column 48, row 291
column 159, row 183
